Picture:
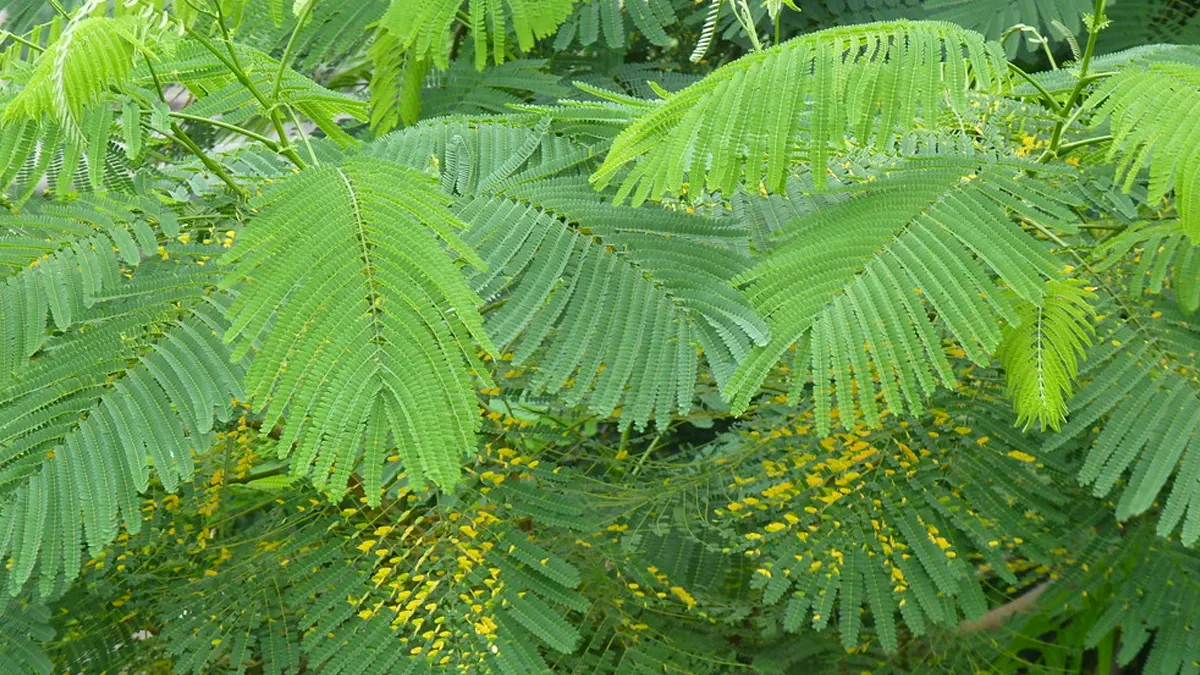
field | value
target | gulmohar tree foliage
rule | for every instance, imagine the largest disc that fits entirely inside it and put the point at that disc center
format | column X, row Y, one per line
column 600, row 336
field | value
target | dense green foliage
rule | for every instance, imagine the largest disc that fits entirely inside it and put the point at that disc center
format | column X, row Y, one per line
column 600, row 336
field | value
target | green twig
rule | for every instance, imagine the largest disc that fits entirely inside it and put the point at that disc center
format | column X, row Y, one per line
column 181, row 136
column 234, row 65
column 228, row 127
column 287, row 51
column 741, row 11
column 1095, row 26
column 1049, row 98
column 1075, row 145
column 303, row 136
column 4, row 35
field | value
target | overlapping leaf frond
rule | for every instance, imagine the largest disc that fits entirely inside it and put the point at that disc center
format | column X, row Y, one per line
column 1041, row 352
column 23, row 630
column 1149, row 110
column 132, row 383
column 626, row 310
column 372, row 336
column 1146, row 22
column 650, row 18
column 423, row 29
column 302, row 614
column 59, row 258
column 1150, row 591
column 411, row 587
column 853, row 284
column 885, row 520
column 462, row 90
column 85, row 160
column 335, row 30
column 595, row 298
column 1051, row 17
column 89, row 56
column 1141, row 381
column 246, row 453
column 810, row 93
column 402, row 90
column 219, row 93
column 1165, row 257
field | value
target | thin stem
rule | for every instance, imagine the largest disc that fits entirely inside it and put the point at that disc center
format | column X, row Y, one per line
column 1037, row 39
column 1037, row 85
column 1096, row 25
column 228, row 127
column 232, row 63
column 204, row 216
column 303, row 136
column 158, row 88
column 1083, row 262
column 287, row 51
column 741, row 10
column 181, row 136
column 1049, row 54
column 1075, row 145
column 645, row 455
column 1098, row 76
column 4, row 35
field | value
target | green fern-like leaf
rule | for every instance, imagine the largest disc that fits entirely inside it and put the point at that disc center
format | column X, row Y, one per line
column 602, row 302
column 91, row 55
column 22, row 630
column 85, row 159
column 873, row 520
column 1147, row 589
column 1149, row 108
column 220, row 94
column 1140, row 380
column 810, row 92
column 364, row 316
column 335, row 31
column 132, row 385
column 1166, row 258
column 423, row 29
column 851, row 284
column 395, row 85
column 59, row 258
column 1041, row 352
column 993, row 18
column 649, row 17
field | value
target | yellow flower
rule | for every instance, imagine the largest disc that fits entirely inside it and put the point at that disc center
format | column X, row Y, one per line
column 1021, row 456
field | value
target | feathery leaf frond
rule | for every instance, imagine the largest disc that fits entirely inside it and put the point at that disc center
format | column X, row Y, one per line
column 1149, row 109
column 91, row 55
column 1141, row 379
column 22, row 630
column 58, row 259
column 1040, row 353
column 131, row 385
column 220, row 94
column 869, row 81
column 423, row 29
column 853, row 284
column 1165, row 256
column 590, row 19
column 593, row 297
column 374, row 326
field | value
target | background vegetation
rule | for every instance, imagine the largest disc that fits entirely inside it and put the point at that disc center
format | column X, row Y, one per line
column 600, row 336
